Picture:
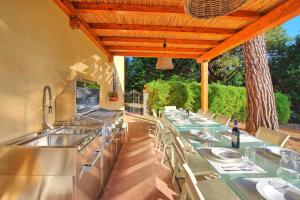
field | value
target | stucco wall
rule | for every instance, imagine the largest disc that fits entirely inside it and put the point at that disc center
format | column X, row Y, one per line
column 39, row 48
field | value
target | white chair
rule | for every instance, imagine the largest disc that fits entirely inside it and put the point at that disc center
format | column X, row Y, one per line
column 190, row 188
column 209, row 115
column 201, row 112
column 271, row 136
column 214, row 189
column 169, row 108
column 222, row 119
column 167, row 139
column 200, row 167
column 154, row 114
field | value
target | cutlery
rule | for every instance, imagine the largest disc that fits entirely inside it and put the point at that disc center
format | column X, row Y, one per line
column 237, row 169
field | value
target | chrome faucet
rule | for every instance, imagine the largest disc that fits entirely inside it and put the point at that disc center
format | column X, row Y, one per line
column 45, row 124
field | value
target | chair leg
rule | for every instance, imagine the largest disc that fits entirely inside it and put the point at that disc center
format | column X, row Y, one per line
column 156, row 141
column 163, row 155
column 183, row 192
column 173, row 177
column 160, row 143
column 172, row 157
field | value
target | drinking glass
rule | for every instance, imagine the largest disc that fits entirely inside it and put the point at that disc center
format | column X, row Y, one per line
column 250, row 154
column 287, row 166
column 297, row 161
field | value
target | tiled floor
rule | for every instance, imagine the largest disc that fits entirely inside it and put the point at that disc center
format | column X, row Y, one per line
column 138, row 174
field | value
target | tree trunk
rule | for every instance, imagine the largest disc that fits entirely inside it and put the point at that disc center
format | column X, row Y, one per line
column 261, row 108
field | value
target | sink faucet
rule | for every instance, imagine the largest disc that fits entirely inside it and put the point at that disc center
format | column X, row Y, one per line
column 45, row 124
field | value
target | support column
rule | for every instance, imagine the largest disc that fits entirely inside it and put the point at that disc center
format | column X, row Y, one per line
column 204, row 86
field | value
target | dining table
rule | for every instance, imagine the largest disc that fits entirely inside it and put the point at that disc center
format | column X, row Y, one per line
column 251, row 174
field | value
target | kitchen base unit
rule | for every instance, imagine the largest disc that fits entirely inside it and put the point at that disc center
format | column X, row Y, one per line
column 50, row 170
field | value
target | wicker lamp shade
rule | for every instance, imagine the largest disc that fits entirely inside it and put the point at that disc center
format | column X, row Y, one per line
column 164, row 63
column 211, row 8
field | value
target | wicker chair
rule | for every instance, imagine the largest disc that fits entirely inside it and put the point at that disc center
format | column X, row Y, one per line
column 272, row 137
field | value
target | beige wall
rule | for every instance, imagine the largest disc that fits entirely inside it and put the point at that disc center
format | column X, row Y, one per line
column 38, row 48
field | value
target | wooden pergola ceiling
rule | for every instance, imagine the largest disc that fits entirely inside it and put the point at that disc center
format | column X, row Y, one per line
column 139, row 28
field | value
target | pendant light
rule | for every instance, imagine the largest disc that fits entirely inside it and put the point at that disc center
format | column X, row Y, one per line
column 211, row 8
column 164, row 63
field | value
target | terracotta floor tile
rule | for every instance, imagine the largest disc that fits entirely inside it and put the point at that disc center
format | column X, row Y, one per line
column 137, row 174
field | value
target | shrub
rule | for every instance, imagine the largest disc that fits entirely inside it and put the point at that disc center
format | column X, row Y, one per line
column 194, row 96
column 283, row 106
column 226, row 100
column 177, row 94
column 163, row 93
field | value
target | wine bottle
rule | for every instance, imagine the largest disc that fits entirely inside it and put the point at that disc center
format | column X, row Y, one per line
column 187, row 112
column 235, row 141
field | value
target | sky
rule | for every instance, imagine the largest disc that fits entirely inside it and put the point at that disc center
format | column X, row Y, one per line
column 293, row 26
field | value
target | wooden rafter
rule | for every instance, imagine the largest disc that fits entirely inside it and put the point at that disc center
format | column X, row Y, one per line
column 167, row 49
column 283, row 12
column 89, row 7
column 155, row 55
column 69, row 9
column 161, row 28
column 159, row 40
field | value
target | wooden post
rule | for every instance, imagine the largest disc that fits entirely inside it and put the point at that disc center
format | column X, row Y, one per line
column 204, row 86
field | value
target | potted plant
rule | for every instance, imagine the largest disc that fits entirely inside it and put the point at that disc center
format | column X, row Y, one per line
column 113, row 96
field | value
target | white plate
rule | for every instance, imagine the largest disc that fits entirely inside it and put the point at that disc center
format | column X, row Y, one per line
column 196, row 132
column 268, row 191
column 277, row 189
column 225, row 153
column 274, row 150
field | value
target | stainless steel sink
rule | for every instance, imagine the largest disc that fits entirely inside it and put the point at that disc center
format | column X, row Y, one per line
column 79, row 130
column 59, row 140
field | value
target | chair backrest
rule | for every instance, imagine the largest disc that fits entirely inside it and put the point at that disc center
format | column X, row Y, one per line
column 191, row 183
column 200, row 112
column 180, row 146
column 222, row 119
column 160, row 125
column 173, row 131
column 178, row 153
column 209, row 115
column 271, row 136
column 154, row 114
column 168, row 108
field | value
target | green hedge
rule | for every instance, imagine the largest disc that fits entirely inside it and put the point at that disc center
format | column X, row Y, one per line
column 162, row 93
column 227, row 100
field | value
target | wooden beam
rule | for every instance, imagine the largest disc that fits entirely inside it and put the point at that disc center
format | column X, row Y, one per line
column 96, row 7
column 204, row 86
column 69, row 9
column 154, row 55
column 244, row 15
column 280, row 14
column 161, row 28
column 159, row 40
column 141, row 9
column 169, row 49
